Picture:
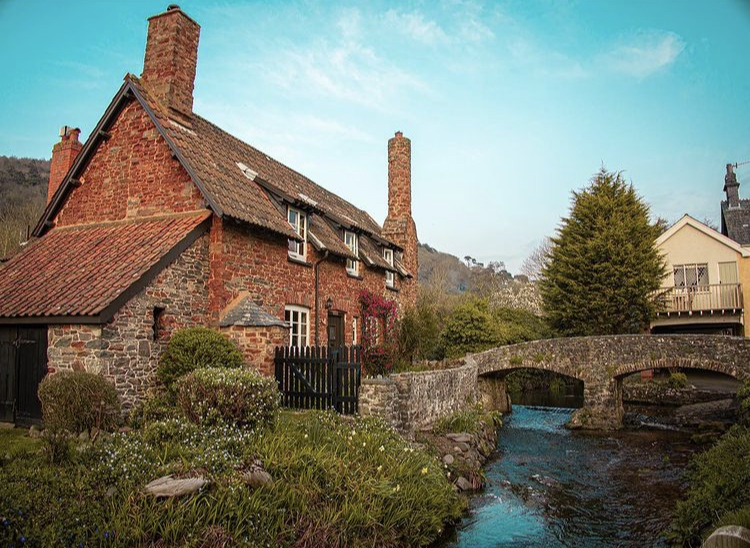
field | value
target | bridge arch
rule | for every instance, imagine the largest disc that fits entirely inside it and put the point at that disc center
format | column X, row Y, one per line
column 602, row 362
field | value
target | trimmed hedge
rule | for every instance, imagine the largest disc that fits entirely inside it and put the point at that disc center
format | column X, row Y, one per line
column 234, row 396
column 78, row 401
column 196, row 348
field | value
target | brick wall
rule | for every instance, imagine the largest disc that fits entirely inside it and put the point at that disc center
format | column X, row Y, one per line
column 248, row 260
column 125, row 350
column 131, row 175
column 257, row 344
column 416, row 401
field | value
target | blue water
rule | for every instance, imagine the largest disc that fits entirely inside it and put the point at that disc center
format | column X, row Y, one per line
column 550, row 487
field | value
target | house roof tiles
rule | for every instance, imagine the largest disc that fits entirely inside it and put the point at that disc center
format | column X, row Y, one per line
column 83, row 270
column 735, row 221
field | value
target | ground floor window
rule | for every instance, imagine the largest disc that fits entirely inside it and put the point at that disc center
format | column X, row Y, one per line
column 298, row 320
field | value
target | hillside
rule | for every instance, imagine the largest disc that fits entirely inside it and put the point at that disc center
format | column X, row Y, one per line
column 443, row 269
column 23, row 191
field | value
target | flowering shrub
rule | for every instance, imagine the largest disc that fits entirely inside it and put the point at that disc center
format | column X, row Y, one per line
column 195, row 348
column 76, row 401
column 236, row 396
column 378, row 312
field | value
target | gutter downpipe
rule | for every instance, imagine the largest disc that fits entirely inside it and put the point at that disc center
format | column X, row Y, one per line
column 317, row 301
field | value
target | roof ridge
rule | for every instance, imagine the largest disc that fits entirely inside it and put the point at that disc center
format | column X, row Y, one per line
column 135, row 220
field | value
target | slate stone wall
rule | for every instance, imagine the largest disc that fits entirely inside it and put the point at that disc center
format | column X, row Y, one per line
column 127, row 349
column 601, row 362
column 415, row 401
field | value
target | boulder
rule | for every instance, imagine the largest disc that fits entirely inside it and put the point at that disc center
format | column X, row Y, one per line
column 448, row 459
column 463, row 484
column 729, row 536
column 463, row 437
column 256, row 476
column 168, row 486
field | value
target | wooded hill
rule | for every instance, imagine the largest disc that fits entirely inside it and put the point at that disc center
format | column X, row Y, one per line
column 23, row 192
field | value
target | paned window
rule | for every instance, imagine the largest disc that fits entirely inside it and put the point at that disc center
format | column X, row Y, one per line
column 298, row 320
column 350, row 239
column 691, row 276
column 390, row 278
column 298, row 220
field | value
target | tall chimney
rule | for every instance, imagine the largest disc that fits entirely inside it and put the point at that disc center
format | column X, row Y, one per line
column 399, row 226
column 171, row 58
column 64, row 154
column 732, row 187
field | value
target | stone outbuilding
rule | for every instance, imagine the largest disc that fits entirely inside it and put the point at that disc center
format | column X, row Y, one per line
column 161, row 220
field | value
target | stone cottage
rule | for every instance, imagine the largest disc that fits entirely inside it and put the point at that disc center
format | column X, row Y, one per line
column 162, row 220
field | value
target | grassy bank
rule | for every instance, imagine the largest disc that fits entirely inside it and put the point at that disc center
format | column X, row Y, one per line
column 719, row 491
column 336, row 483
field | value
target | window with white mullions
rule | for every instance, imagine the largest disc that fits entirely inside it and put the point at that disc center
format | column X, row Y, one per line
column 691, row 276
column 390, row 278
column 298, row 220
column 350, row 239
column 298, row 320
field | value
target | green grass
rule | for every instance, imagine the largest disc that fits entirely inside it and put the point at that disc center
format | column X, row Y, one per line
column 337, row 482
column 15, row 442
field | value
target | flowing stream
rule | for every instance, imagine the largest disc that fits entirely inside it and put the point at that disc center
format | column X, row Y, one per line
column 550, row 487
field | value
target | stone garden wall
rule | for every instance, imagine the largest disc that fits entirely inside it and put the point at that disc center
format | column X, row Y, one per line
column 415, row 401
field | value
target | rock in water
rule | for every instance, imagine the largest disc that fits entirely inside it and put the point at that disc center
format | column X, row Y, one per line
column 171, row 487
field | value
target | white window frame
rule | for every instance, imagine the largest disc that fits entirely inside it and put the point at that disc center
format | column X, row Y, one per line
column 352, row 242
column 390, row 277
column 297, row 250
column 690, row 277
column 298, row 320
column 355, row 321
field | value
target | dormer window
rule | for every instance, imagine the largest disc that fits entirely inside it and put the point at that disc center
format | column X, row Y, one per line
column 350, row 239
column 298, row 220
column 390, row 278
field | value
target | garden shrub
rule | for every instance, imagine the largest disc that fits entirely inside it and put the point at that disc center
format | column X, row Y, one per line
column 677, row 381
column 235, row 396
column 419, row 335
column 743, row 397
column 718, row 486
column 469, row 328
column 78, row 401
column 195, row 348
column 158, row 405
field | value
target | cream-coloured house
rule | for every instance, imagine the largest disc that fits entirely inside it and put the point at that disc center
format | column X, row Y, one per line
column 703, row 285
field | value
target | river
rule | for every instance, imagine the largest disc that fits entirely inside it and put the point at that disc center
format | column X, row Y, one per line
column 550, row 487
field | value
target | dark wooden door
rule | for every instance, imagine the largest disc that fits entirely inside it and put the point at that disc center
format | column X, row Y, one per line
column 335, row 331
column 23, row 364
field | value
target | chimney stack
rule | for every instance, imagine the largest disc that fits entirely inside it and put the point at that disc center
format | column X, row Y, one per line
column 64, row 154
column 399, row 226
column 171, row 59
column 732, row 187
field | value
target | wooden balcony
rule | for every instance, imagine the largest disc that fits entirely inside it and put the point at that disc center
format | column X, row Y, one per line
column 706, row 299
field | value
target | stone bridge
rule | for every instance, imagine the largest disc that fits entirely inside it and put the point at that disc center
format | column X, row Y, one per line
column 602, row 362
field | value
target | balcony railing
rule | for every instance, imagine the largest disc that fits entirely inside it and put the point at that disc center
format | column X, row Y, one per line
column 705, row 298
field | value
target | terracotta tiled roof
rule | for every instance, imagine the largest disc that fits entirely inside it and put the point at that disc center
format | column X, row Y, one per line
column 82, row 270
column 213, row 155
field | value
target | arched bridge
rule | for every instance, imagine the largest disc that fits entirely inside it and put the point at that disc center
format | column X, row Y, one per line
column 602, row 362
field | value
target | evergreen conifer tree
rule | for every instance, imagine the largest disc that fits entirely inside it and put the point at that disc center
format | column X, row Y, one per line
column 603, row 266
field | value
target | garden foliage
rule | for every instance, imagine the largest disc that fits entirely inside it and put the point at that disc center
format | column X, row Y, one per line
column 193, row 348
column 335, row 483
column 603, row 267
column 235, row 396
column 718, row 488
column 379, row 333
column 78, row 401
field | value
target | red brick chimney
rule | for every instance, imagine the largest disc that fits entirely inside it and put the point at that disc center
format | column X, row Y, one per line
column 399, row 226
column 64, row 154
column 171, row 58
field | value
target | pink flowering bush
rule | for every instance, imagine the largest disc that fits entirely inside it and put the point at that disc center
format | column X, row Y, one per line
column 380, row 336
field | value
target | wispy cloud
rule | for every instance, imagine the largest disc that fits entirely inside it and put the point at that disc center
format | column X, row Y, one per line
column 644, row 53
column 345, row 68
column 417, row 27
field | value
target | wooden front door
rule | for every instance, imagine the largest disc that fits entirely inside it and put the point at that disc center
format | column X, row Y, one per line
column 335, row 330
column 23, row 364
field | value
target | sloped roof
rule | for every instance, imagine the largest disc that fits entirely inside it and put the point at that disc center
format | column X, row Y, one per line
column 735, row 221
column 248, row 314
column 687, row 220
column 89, row 271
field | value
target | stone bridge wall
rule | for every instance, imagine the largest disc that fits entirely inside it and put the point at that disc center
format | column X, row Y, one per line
column 415, row 401
column 601, row 362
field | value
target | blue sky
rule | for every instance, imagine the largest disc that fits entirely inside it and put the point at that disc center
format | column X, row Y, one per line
column 510, row 105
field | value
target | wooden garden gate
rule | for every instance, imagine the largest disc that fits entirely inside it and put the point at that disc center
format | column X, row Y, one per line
column 319, row 377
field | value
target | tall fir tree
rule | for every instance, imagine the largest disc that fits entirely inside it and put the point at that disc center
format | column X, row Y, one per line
column 603, row 268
